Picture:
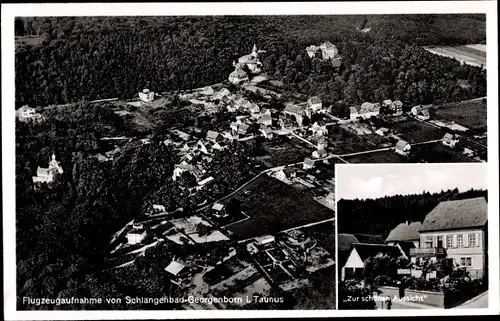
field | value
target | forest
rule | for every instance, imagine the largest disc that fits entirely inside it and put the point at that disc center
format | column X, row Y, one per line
column 87, row 58
column 379, row 216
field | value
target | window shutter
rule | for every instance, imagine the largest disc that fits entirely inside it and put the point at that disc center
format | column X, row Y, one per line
column 445, row 239
column 455, row 240
column 466, row 240
column 477, row 240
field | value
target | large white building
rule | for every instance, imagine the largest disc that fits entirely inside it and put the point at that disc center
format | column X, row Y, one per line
column 365, row 111
column 146, row 95
column 47, row 175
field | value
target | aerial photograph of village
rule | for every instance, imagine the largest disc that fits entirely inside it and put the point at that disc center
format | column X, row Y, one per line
column 188, row 162
column 422, row 245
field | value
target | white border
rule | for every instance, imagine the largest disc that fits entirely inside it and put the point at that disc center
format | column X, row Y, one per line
column 9, row 11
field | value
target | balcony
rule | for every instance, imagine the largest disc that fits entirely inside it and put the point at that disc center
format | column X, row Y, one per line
column 428, row 252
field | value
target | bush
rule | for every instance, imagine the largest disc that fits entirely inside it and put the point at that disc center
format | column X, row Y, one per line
column 460, row 288
column 382, row 280
column 422, row 284
column 352, row 296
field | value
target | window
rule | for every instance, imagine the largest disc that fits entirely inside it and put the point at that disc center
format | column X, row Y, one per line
column 472, row 240
column 449, row 241
column 469, row 261
column 460, row 240
column 428, row 242
column 462, row 261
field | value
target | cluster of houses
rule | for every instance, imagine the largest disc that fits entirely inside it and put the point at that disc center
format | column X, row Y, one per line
column 454, row 230
column 302, row 110
column 367, row 109
column 327, row 50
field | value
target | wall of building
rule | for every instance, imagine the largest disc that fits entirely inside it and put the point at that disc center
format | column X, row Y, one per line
column 477, row 253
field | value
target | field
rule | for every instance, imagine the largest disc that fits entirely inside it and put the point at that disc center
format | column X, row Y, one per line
column 414, row 131
column 438, row 153
column 289, row 152
column 378, row 157
column 471, row 114
column 472, row 54
column 274, row 206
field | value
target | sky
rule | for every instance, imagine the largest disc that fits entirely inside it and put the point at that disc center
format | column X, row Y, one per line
column 379, row 180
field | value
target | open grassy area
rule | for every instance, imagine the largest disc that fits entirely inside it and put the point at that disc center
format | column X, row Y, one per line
column 471, row 114
column 438, row 153
column 414, row 131
column 377, row 157
column 274, row 206
column 287, row 152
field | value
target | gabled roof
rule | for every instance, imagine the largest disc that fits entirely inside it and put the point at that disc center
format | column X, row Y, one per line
column 238, row 73
column 401, row 144
column 369, row 238
column 175, row 268
column 345, row 241
column 398, row 103
column 218, row 206
column 404, row 232
column 295, row 109
column 368, row 107
column 308, row 161
column 315, row 100
column 243, row 127
column 387, row 102
column 353, row 110
column 212, row 135
column 366, row 251
column 449, row 215
column 448, row 136
column 405, row 247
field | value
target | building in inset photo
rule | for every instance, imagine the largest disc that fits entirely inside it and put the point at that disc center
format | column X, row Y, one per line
column 412, row 236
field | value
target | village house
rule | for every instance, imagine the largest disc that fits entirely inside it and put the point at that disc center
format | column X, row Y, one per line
column 208, row 91
column 328, row 50
column 421, row 112
column 26, row 113
column 265, row 120
column 360, row 252
column 320, row 153
column 205, row 182
column 146, row 96
column 47, row 175
column 402, row 148
column 137, row 234
column 322, row 143
column 267, row 132
column 330, row 198
column 297, row 112
column 319, row 128
column 449, row 140
column 457, row 230
column 238, row 75
column 285, row 175
column 468, row 152
column 387, row 103
column 405, row 236
column 178, row 272
column 397, row 107
column 308, row 163
column 218, row 210
column 345, row 242
column 315, row 103
column 184, row 167
column 158, row 208
column 213, row 136
column 243, row 129
column 221, row 93
column 365, row 111
column 382, row 131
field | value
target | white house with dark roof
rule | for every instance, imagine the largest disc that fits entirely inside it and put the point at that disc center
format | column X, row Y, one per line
column 365, row 111
column 457, row 230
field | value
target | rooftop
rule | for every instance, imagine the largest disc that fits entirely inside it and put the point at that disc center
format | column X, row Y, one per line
column 175, row 268
column 405, row 232
column 459, row 214
column 366, row 251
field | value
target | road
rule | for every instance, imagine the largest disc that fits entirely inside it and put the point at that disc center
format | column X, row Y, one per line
column 479, row 302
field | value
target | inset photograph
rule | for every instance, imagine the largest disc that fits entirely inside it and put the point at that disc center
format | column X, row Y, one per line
column 412, row 236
